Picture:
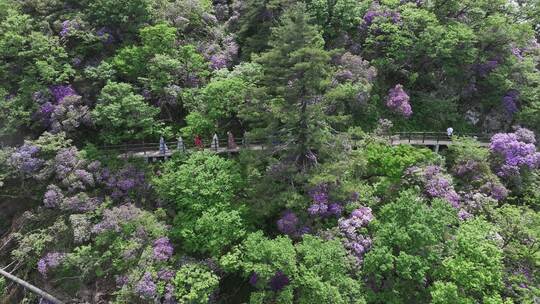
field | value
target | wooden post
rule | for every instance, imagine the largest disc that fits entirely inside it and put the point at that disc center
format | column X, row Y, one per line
column 30, row 287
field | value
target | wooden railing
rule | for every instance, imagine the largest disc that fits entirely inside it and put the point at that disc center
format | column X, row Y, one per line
column 222, row 145
column 435, row 137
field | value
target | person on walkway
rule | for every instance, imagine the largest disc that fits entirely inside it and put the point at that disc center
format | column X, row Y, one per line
column 198, row 142
column 215, row 142
column 163, row 146
column 450, row 131
column 231, row 144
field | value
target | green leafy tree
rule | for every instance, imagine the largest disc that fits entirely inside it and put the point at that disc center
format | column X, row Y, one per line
column 409, row 238
column 203, row 181
column 203, row 189
column 213, row 232
column 29, row 61
column 194, row 283
column 316, row 270
column 336, row 16
column 517, row 226
column 474, row 265
column 127, row 15
column 124, row 116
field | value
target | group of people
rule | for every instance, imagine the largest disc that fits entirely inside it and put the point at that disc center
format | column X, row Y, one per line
column 231, row 144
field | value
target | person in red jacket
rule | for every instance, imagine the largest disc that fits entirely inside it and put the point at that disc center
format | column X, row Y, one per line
column 198, row 142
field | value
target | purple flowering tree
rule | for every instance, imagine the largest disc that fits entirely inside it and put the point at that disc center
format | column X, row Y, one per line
column 513, row 152
column 398, row 101
column 355, row 240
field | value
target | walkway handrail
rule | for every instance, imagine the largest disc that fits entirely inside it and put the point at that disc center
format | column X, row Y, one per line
column 245, row 143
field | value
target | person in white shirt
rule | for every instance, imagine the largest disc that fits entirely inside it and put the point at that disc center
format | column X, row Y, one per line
column 449, row 131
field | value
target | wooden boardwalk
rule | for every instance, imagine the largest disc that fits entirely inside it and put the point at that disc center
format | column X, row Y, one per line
column 151, row 151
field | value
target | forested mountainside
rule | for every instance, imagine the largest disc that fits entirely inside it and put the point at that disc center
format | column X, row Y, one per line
column 278, row 178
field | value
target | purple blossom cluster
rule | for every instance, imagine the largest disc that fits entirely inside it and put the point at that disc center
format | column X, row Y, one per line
column 288, row 223
column 67, row 27
column 163, row 249
column 59, row 92
column 483, row 69
column 355, row 242
column 218, row 61
column 370, row 16
column 495, row 190
column 54, row 197
column 122, row 182
column 439, row 185
column 514, row 154
column 25, row 159
column 146, row 287
column 467, row 167
column 509, row 102
column 166, row 274
column 525, row 135
column 517, row 52
column 115, row 217
column 65, row 112
column 253, row 279
column 321, row 206
column 354, row 69
column 68, row 115
column 436, row 184
column 398, row 101
column 105, row 35
column 279, row 281
column 50, row 261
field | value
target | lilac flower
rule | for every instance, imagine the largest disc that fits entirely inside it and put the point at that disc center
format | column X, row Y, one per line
column 517, row 52
column 495, row 190
column 441, row 187
column 354, row 242
column 49, row 261
column 105, row 35
column 85, row 176
column 169, row 297
column 370, row 16
column 121, row 280
column 317, row 209
column 319, row 194
column 483, row 69
column 509, row 101
column 53, row 197
column 525, row 135
column 68, row 26
column 165, row 274
column 287, row 224
column 44, row 114
column 122, row 182
column 278, row 281
column 398, row 101
column 146, row 287
column 25, row 159
column 514, row 154
column 61, row 91
column 163, row 249
column 334, row 209
column 113, row 218
column 69, row 115
column 218, row 61
column 463, row 168
column 253, row 279
column 464, row 215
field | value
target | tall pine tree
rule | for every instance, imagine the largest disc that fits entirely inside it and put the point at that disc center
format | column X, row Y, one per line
column 295, row 76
